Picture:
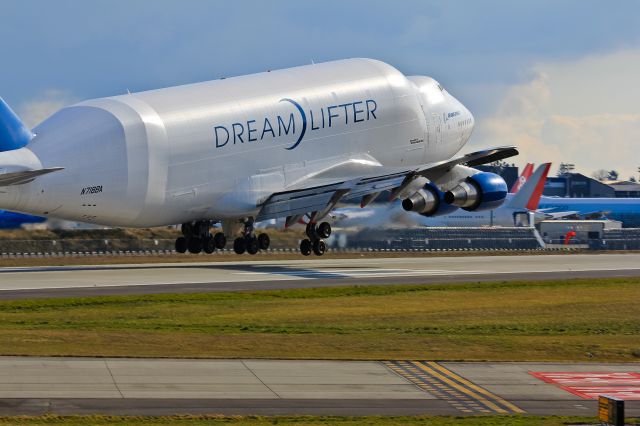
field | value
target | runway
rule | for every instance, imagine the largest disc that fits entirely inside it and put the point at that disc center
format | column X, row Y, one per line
column 35, row 386
column 24, row 282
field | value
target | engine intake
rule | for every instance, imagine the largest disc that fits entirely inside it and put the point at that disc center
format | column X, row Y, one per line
column 482, row 191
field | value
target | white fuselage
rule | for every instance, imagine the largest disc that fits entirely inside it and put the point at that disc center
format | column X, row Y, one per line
column 215, row 150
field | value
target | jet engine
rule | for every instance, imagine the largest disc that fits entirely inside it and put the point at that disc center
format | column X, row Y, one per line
column 482, row 191
column 428, row 201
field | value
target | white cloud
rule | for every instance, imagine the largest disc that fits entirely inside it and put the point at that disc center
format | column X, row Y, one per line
column 586, row 112
column 34, row 111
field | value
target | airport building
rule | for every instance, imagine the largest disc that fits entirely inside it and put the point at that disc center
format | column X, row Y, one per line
column 626, row 189
column 577, row 185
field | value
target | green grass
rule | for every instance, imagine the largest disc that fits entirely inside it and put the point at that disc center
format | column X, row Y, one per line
column 570, row 320
column 297, row 421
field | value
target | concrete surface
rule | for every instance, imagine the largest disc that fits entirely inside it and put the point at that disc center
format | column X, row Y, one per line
column 171, row 386
column 190, row 379
column 23, row 282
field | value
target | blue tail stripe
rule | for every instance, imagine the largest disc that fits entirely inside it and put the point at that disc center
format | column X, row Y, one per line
column 13, row 133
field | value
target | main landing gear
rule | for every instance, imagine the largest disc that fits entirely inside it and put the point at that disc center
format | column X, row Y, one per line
column 315, row 241
column 248, row 242
column 197, row 238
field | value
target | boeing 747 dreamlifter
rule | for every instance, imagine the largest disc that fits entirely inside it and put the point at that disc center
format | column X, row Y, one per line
column 234, row 151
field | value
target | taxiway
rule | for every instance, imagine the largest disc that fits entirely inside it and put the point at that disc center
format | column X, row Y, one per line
column 34, row 386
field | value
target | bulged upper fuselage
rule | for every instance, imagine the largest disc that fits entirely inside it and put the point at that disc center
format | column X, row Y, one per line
column 214, row 150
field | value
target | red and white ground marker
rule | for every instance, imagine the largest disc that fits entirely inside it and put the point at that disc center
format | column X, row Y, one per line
column 624, row 385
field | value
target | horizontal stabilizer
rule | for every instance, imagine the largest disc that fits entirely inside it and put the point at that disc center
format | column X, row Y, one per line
column 25, row 176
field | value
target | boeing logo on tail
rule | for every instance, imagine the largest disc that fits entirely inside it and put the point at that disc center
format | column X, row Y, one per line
column 281, row 126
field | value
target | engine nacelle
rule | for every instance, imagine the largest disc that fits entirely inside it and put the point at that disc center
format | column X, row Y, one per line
column 482, row 191
column 428, row 201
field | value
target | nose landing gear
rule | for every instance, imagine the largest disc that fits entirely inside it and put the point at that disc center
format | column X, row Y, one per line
column 315, row 242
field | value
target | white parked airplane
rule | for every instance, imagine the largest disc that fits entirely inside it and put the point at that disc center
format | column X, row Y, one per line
column 276, row 144
column 519, row 209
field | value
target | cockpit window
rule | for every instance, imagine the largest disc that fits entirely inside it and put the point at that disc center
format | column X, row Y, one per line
column 440, row 87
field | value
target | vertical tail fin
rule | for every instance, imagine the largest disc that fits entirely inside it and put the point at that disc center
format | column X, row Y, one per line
column 13, row 133
column 529, row 194
column 526, row 174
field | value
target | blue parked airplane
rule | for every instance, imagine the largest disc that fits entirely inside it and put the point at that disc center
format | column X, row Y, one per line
column 625, row 210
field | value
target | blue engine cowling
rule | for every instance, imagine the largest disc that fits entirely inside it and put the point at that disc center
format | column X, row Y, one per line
column 429, row 201
column 482, row 191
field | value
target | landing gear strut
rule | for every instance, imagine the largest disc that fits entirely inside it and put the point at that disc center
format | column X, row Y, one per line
column 248, row 242
column 197, row 238
column 315, row 241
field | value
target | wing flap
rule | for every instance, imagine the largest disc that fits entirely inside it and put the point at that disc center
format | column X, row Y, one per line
column 298, row 202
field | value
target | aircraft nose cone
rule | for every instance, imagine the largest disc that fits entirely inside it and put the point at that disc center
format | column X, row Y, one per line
column 473, row 121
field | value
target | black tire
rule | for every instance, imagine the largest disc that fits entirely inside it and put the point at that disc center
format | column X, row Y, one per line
column 181, row 245
column 194, row 244
column 324, row 230
column 264, row 241
column 220, row 240
column 208, row 245
column 319, row 247
column 239, row 245
column 305, row 247
column 252, row 246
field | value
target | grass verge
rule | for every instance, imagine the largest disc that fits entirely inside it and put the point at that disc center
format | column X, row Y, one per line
column 566, row 320
column 298, row 420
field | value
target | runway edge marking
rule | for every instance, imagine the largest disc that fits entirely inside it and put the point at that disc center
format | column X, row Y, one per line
column 451, row 387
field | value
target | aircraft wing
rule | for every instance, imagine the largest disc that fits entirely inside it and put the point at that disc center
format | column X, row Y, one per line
column 569, row 214
column 557, row 215
column 25, row 176
column 322, row 198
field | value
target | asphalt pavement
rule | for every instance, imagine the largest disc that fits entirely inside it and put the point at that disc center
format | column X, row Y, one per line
column 66, row 281
column 35, row 386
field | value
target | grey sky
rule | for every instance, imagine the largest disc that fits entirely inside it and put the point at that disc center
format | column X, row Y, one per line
column 480, row 50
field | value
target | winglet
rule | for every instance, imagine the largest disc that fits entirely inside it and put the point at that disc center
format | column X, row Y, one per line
column 13, row 133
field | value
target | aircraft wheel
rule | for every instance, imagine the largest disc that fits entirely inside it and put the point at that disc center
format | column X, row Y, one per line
column 324, row 230
column 319, row 247
column 264, row 241
column 239, row 245
column 208, row 245
column 181, row 245
column 194, row 244
column 305, row 247
column 220, row 240
column 252, row 246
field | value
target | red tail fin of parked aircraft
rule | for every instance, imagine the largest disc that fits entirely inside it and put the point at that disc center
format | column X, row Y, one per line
column 526, row 174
